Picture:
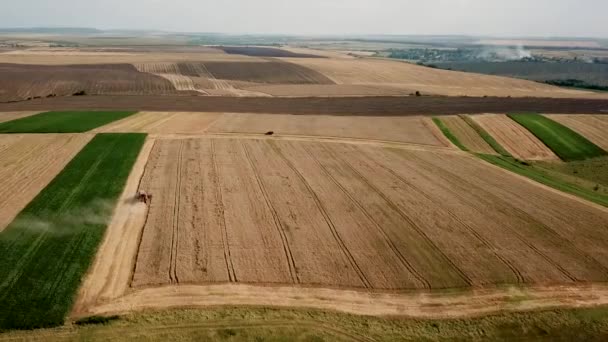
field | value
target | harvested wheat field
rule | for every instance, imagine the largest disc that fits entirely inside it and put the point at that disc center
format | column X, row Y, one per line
column 592, row 127
column 368, row 71
column 416, row 130
column 514, row 138
column 10, row 116
column 162, row 123
column 337, row 215
column 28, row 162
column 467, row 135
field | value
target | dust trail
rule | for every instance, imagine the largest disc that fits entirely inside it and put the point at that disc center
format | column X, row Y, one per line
column 98, row 212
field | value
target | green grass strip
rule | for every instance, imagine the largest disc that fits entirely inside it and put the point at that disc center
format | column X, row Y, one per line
column 62, row 122
column 529, row 171
column 47, row 249
column 486, row 136
column 448, row 134
column 566, row 143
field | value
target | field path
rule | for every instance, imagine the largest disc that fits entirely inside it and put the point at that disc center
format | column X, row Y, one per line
column 414, row 304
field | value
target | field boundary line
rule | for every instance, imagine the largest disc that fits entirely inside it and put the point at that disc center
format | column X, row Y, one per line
column 389, row 242
column 414, row 226
column 220, row 199
column 325, row 215
column 275, row 216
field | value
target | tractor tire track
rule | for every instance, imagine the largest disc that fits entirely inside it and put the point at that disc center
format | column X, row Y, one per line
column 220, row 200
column 418, row 229
column 385, row 236
column 479, row 237
column 527, row 217
column 326, row 216
column 175, row 226
column 285, row 242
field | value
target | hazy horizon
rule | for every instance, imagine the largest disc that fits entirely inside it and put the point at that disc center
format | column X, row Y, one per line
column 515, row 18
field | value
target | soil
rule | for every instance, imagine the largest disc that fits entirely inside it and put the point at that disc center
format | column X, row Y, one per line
column 350, row 106
column 20, row 82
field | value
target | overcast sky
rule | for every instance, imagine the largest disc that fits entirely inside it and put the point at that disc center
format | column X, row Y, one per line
column 471, row 17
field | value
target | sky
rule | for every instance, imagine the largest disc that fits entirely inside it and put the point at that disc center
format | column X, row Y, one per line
column 540, row 18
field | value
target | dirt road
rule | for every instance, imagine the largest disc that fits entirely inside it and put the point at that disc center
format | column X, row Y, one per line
column 415, row 304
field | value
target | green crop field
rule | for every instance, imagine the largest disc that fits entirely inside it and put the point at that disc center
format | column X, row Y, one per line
column 448, row 134
column 62, row 122
column 567, row 144
column 47, row 249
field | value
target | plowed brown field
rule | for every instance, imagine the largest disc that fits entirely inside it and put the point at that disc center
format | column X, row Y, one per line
column 592, row 127
column 514, row 138
column 467, row 135
column 19, row 82
column 256, row 211
column 9, row 116
column 28, row 163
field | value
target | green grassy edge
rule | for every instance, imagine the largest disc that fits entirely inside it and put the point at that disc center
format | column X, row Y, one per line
column 63, row 121
column 273, row 324
column 448, row 134
column 530, row 172
column 564, row 142
column 486, row 136
column 47, row 249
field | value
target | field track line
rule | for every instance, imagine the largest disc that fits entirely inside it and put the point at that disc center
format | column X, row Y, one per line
column 290, row 261
column 220, row 200
column 388, row 241
column 479, row 237
column 527, row 217
column 326, row 216
column 175, row 226
column 395, row 208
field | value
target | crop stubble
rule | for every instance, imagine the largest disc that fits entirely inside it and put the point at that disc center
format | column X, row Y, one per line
column 163, row 122
column 28, row 164
column 467, row 135
column 281, row 212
